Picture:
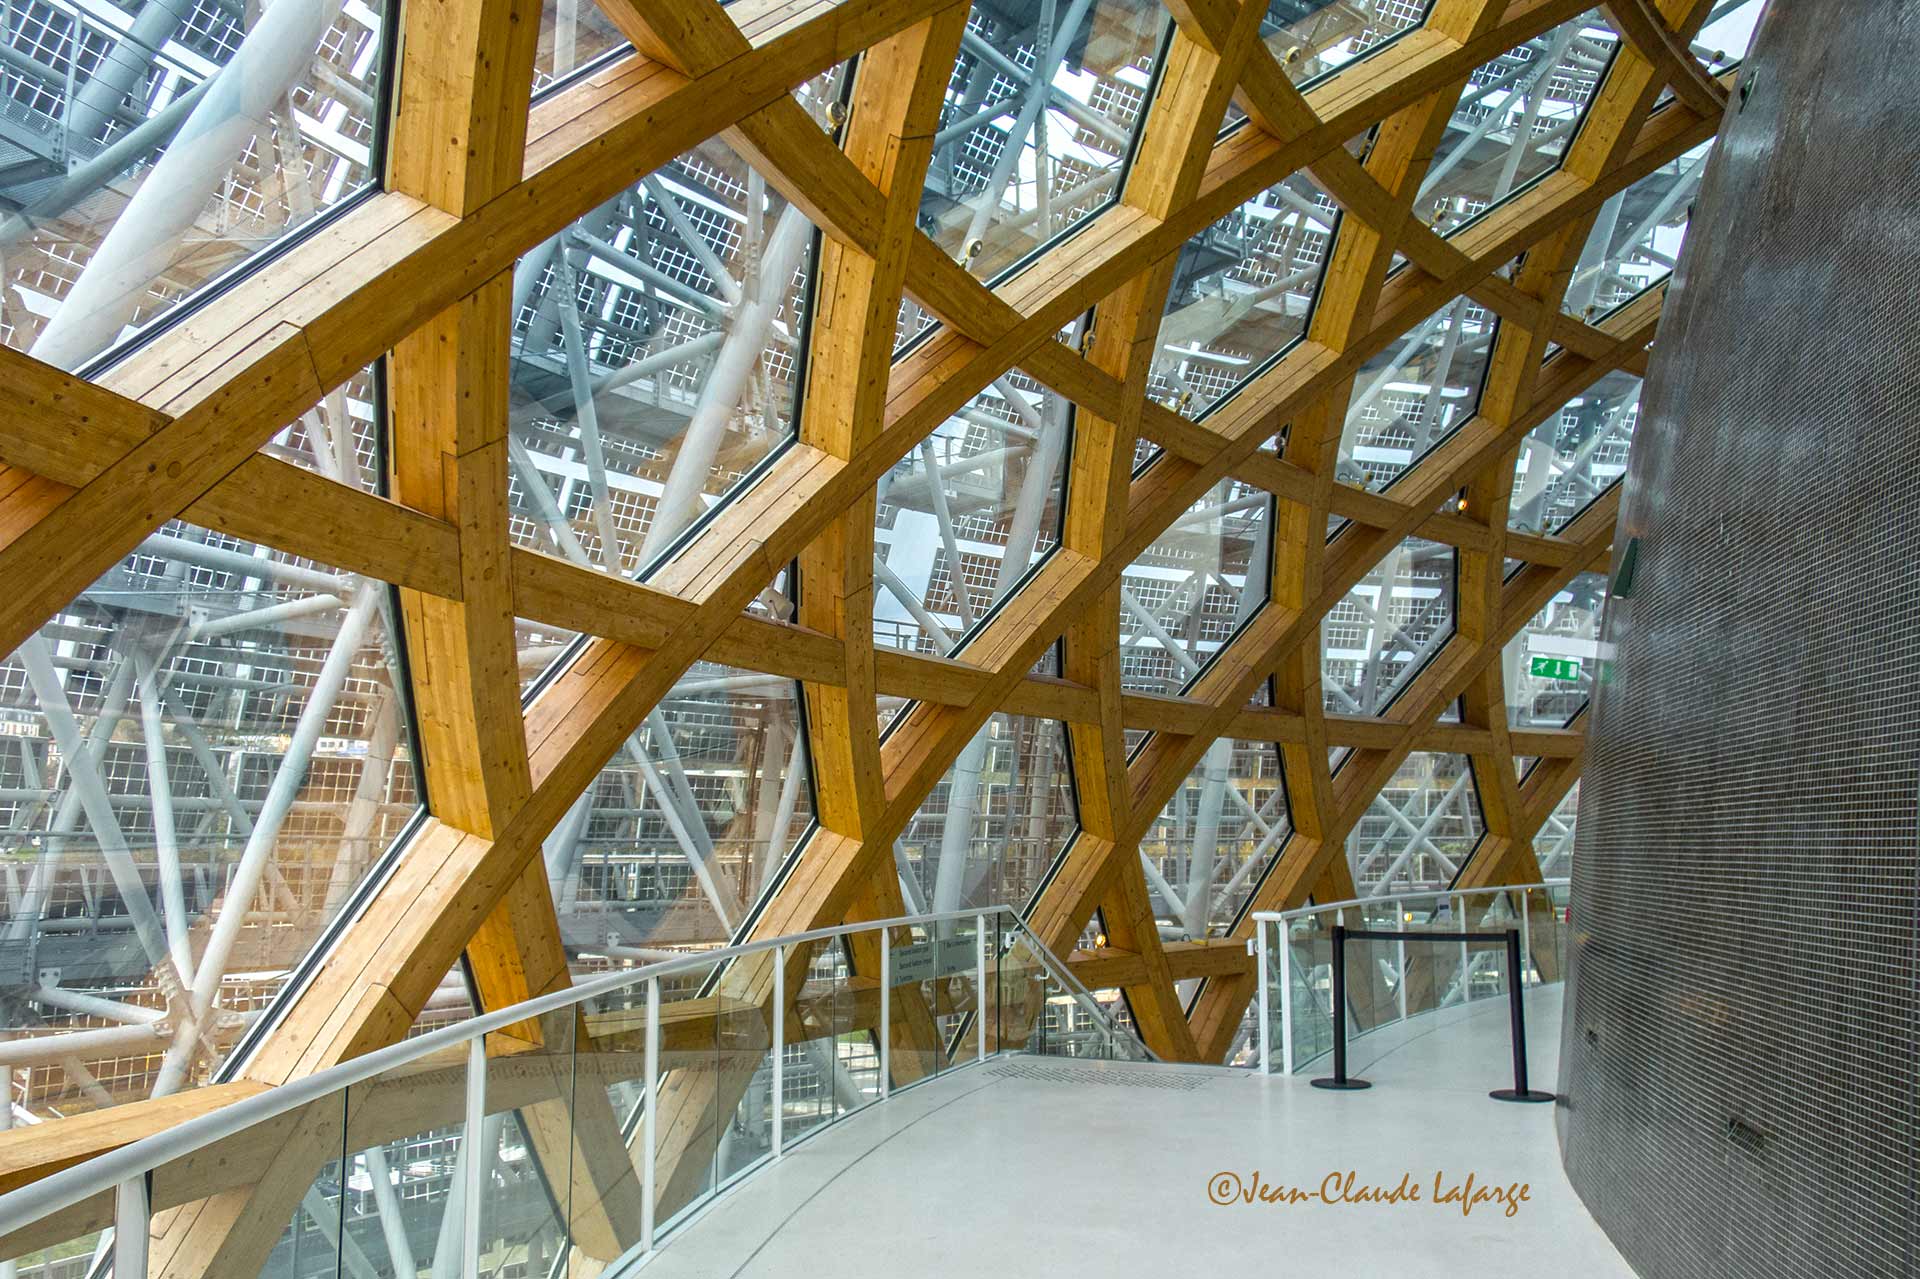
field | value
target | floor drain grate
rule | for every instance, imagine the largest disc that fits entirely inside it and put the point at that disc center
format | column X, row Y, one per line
column 1100, row 1073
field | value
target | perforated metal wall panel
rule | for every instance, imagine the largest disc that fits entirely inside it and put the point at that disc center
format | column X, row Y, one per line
column 1739, row 1055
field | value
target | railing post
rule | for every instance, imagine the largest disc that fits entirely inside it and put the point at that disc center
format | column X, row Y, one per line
column 980, row 987
column 1466, row 958
column 1280, row 928
column 779, row 1049
column 1340, row 1080
column 1266, row 993
column 1400, row 909
column 474, row 1166
column 130, row 1225
column 1516, row 1013
column 1526, row 934
column 886, row 1012
column 650, row 1116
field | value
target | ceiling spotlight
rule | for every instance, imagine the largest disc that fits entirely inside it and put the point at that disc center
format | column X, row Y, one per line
column 1099, row 941
column 1461, row 504
column 836, row 114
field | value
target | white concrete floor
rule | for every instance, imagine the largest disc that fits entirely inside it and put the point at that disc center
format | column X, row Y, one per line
column 1032, row 1166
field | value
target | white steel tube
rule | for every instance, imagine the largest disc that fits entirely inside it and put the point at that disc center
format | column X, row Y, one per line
column 651, row 1116
column 1266, row 993
column 980, row 987
column 886, row 1012
column 1286, row 996
column 129, row 1227
column 779, row 1049
column 475, row 1167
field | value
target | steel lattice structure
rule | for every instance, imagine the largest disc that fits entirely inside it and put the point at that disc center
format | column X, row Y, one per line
column 592, row 480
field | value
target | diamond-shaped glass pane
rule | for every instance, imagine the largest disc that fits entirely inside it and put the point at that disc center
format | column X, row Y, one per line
column 1554, row 844
column 1194, row 587
column 1420, row 828
column 696, row 814
column 572, row 34
column 1242, row 292
column 1727, row 33
column 338, row 437
column 1637, row 236
column 153, row 148
column 987, row 833
column 1550, row 666
column 1039, row 120
column 1313, row 37
column 1415, row 393
column 203, row 756
column 1379, row 636
column 1575, row 455
column 968, row 513
column 655, row 355
column 1208, row 849
column 1516, row 119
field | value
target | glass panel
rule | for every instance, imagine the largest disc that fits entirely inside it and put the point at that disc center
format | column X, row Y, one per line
column 203, row 755
column 1549, row 667
column 1313, row 37
column 1727, row 34
column 919, row 1044
column 1575, row 455
column 743, row 1037
column 1194, row 587
column 979, row 502
column 991, row 828
column 572, row 34
column 155, row 147
column 535, row 1158
column 1637, row 236
column 68, row 1259
column 1516, row 119
column 1377, row 638
column 339, row 437
column 1242, row 292
column 692, row 1091
column 1212, row 842
column 1038, row 122
column 682, row 831
column 817, row 1088
column 1554, row 844
column 407, row 1150
column 1420, row 828
column 1415, row 394
column 656, row 343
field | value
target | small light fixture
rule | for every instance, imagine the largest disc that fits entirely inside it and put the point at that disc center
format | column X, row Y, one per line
column 1099, row 941
column 1461, row 504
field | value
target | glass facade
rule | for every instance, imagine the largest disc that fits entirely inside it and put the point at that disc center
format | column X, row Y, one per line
column 153, row 148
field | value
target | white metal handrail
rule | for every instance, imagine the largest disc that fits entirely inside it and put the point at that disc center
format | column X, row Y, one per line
column 1279, row 920
column 124, row 1171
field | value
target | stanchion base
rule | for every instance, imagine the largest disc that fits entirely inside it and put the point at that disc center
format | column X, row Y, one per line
column 1514, row 1094
column 1341, row 1085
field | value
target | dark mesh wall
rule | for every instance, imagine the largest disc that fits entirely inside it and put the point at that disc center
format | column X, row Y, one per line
column 1739, row 1055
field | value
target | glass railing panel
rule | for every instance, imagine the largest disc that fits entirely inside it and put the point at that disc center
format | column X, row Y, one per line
column 29, row 1255
column 918, row 1051
column 535, row 1157
column 956, row 988
column 1021, row 990
column 694, row 1097
column 607, row 1206
column 407, row 1149
column 743, row 1039
column 815, row 1089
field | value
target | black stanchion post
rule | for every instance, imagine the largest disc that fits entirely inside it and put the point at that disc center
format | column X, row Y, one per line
column 1339, row 1080
column 1516, row 1011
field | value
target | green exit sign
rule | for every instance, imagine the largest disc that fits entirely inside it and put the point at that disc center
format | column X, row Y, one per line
column 1554, row 668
